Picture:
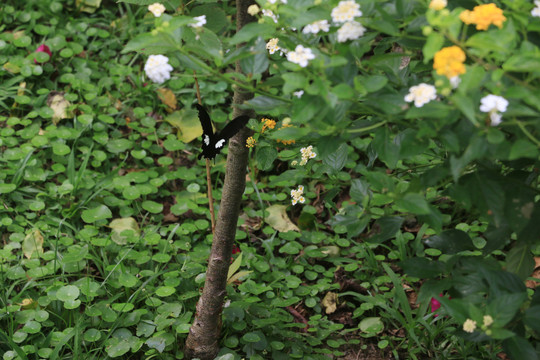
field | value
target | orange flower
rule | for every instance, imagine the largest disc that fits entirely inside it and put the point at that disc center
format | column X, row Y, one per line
column 268, row 124
column 285, row 142
column 483, row 16
column 449, row 61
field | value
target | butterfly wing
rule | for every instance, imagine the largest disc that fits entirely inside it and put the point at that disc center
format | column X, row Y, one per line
column 232, row 128
column 208, row 133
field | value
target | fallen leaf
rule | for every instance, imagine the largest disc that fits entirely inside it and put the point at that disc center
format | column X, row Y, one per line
column 187, row 123
column 168, row 98
column 123, row 224
column 279, row 220
column 32, row 244
column 329, row 302
column 59, row 105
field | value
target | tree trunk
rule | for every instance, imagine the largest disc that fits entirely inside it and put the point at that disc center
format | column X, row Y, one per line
column 203, row 338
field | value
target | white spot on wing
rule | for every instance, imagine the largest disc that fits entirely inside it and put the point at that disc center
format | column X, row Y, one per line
column 206, row 140
column 220, row 143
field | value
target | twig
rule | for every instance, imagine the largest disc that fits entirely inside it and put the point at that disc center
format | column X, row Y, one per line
column 208, row 177
column 299, row 317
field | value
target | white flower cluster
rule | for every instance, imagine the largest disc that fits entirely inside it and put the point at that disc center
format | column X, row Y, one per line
column 492, row 104
column 421, row 94
column 536, row 11
column 272, row 45
column 300, row 55
column 297, row 195
column 270, row 14
column 349, row 31
column 157, row 9
column 346, row 11
column 158, row 69
column 200, row 21
column 315, row 27
column 253, row 9
column 307, row 153
column 438, row 4
column 469, row 326
column 274, row 1
column 298, row 93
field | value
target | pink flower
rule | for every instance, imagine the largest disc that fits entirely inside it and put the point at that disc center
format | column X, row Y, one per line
column 435, row 304
column 43, row 48
column 235, row 249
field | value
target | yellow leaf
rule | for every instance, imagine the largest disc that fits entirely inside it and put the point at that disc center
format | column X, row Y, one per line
column 237, row 276
column 120, row 225
column 32, row 244
column 279, row 220
column 187, row 123
column 330, row 302
column 168, row 98
column 59, row 105
column 22, row 87
column 89, row 6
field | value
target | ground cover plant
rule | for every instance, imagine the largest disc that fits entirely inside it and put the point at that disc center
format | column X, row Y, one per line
column 391, row 206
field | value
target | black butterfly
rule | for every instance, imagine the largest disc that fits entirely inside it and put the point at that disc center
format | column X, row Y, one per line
column 214, row 142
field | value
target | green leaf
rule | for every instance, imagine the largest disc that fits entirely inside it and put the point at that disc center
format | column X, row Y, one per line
column 520, row 260
column 505, row 306
column 359, row 190
column 264, row 103
column 385, row 147
column 414, row 203
column 371, row 325
column 265, row 157
column 251, row 31
column 519, row 348
column 465, row 104
column 67, row 293
column 152, row 206
column 257, row 62
column 532, row 317
column 7, row 188
column 165, row 291
column 434, row 43
column 522, row 148
column 337, row 160
column 119, row 145
column 451, row 241
column 123, row 224
column 251, row 337
column 422, row 268
column 234, row 266
column 523, row 63
column 92, row 335
column 98, row 213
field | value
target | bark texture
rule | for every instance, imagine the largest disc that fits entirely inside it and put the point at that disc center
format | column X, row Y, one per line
column 203, row 338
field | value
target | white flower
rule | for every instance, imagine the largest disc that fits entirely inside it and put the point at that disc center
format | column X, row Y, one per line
column 345, row 11
column 157, row 9
column 274, row 1
column 492, row 102
column 455, row 81
column 536, row 11
column 157, row 68
column 300, row 55
column 349, row 31
column 253, row 9
column 469, row 326
column 307, row 153
column 437, row 4
column 270, row 14
column 315, row 27
column 297, row 195
column 272, row 45
column 201, row 20
column 298, row 93
column 488, row 320
column 421, row 94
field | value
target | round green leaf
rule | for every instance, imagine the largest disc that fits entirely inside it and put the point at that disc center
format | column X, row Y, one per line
column 68, row 292
column 164, row 291
column 92, row 335
column 251, row 337
column 152, row 206
column 98, row 213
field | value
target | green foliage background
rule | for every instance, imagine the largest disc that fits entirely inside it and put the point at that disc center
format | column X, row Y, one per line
column 399, row 199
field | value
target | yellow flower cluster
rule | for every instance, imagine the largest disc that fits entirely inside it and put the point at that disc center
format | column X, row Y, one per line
column 268, row 124
column 449, row 61
column 250, row 142
column 285, row 142
column 437, row 4
column 483, row 16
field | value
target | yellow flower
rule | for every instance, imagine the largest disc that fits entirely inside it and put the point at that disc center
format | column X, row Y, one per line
column 268, row 124
column 437, row 4
column 250, row 142
column 253, row 10
column 449, row 61
column 483, row 16
column 285, row 142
